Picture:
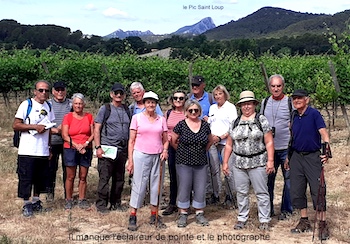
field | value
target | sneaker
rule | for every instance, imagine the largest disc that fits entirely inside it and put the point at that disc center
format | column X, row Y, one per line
column 201, row 220
column 132, row 223
column 27, row 210
column 264, row 226
column 83, row 204
column 37, row 207
column 284, row 216
column 158, row 223
column 170, row 209
column 303, row 226
column 323, row 233
column 118, row 207
column 69, row 204
column 239, row 225
column 182, row 220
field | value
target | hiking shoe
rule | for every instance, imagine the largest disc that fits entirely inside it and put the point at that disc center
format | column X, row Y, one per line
column 303, row 226
column 170, row 209
column 239, row 225
column 264, row 226
column 230, row 203
column 37, row 207
column 323, row 231
column 284, row 216
column 213, row 200
column 118, row 207
column 69, row 204
column 158, row 223
column 83, row 204
column 103, row 210
column 27, row 210
column 182, row 220
column 201, row 220
column 132, row 223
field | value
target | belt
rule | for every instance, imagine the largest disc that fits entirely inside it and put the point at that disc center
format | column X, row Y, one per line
column 306, row 153
column 250, row 155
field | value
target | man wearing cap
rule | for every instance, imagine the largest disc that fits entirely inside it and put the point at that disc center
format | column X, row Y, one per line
column 137, row 92
column 306, row 161
column 61, row 106
column 204, row 98
column 277, row 109
column 112, row 129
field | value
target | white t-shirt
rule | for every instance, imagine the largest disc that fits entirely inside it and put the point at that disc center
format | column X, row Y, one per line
column 221, row 118
column 37, row 144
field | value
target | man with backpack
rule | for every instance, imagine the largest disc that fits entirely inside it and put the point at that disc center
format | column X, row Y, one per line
column 278, row 108
column 61, row 106
column 33, row 119
column 112, row 129
column 198, row 93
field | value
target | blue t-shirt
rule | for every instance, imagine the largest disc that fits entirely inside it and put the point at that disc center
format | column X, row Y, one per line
column 136, row 110
column 204, row 101
column 305, row 131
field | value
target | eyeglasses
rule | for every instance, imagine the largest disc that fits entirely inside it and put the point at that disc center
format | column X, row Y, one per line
column 276, row 86
column 119, row 92
column 195, row 110
column 178, row 98
column 60, row 89
column 195, row 85
column 43, row 90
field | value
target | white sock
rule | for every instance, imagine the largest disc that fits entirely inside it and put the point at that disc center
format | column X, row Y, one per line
column 35, row 199
column 199, row 211
column 27, row 202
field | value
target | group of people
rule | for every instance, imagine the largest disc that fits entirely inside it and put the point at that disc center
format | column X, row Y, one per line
column 201, row 133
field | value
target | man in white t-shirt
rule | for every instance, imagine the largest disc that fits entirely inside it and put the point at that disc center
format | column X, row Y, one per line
column 34, row 146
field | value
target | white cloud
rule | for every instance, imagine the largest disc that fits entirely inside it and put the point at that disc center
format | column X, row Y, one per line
column 226, row 1
column 90, row 6
column 113, row 12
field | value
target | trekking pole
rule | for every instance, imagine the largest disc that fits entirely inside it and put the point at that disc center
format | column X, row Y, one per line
column 159, row 190
column 234, row 200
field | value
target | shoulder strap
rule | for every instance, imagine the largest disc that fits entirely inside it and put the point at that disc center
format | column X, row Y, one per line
column 257, row 121
column 106, row 116
column 210, row 98
column 290, row 106
column 127, row 110
column 29, row 108
column 49, row 104
column 236, row 122
column 264, row 104
column 168, row 114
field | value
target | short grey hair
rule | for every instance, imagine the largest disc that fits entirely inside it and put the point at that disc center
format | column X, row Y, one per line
column 223, row 89
column 42, row 81
column 191, row 102
column 136, row 85
column 277, row 76
column 80, row 96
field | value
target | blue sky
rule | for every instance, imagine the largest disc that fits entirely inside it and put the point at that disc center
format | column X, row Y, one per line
column 102, row 17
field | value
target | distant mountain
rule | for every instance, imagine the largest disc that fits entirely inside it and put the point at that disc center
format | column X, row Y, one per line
column 260, row 24
column 123, row 34
column 198, row 28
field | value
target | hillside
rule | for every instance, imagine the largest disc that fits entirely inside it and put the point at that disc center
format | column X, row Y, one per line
column 277, row 22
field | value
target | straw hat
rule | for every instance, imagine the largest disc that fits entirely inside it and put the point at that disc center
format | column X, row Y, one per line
column 246, row 96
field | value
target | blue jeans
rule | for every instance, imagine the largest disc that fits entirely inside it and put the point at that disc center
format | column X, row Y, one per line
column 286, row 205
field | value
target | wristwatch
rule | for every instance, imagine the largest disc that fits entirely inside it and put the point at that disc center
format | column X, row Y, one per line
column 97, row 147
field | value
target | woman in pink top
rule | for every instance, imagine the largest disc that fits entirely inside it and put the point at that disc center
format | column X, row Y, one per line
column 148, row 148
column 77, row 133
column 173, row 116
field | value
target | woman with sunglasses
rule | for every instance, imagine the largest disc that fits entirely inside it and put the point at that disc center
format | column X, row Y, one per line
column 77, row 133
column 220, row 117
column 191, row 138
column 174, row 116
column 147, row 150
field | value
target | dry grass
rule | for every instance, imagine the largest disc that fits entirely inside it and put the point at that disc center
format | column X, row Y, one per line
column 60, row 226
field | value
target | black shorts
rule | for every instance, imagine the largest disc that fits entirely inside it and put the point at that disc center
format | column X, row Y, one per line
column 73, row 158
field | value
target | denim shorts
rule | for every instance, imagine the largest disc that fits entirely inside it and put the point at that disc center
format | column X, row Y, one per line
column 73, row 158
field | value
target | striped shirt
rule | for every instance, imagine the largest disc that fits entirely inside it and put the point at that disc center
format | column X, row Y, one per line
column 174, row 118
column 59, row 109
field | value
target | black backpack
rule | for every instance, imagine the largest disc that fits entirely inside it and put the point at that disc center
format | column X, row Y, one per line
column 108, row 113
column 17, row 134
column 256, row 120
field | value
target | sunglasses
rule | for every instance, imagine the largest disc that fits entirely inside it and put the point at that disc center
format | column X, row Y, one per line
column 43, row 90
column 276, row 86
column 195, row 110
column 60, row 89
column 119, row 92
column 179, row 98
column 195, row 85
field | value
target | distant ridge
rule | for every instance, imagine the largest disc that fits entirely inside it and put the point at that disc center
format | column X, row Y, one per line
column 198, row 28
column 123, row 34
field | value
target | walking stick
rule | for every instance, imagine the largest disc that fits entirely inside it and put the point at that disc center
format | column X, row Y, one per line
column 159, row 189
column 326, row 150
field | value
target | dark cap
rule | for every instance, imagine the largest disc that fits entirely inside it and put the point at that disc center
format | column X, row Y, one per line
column 300, row 93
column 118, row 87
column 197, row 80
column 59, row 84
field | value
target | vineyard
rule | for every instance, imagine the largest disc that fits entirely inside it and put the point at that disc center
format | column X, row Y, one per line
column 93, row 74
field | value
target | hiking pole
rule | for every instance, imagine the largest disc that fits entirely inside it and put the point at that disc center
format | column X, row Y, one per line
column 159, row 190
column 234, row 200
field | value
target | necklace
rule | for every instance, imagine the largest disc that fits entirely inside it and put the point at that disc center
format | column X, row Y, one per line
column 274, row 114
